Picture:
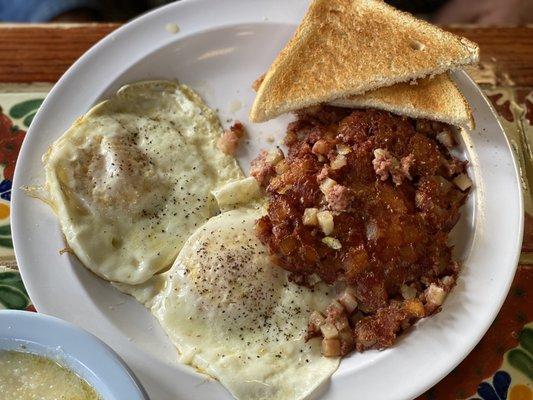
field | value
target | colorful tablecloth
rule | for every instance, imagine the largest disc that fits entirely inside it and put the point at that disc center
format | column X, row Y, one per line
column 501, row 365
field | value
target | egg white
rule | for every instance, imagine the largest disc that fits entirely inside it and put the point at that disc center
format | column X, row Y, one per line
column 132, row 179
column 235, row 316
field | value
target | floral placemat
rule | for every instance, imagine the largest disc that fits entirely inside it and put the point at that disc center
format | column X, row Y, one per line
column 501, row 365
column 13, row 295
column 16, row 113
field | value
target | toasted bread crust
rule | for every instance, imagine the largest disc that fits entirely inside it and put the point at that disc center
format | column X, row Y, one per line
column 348, row 47
column 433, row 98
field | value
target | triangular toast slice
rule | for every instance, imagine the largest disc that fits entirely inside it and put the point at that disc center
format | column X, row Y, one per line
column 435, row 98
column 348, row 47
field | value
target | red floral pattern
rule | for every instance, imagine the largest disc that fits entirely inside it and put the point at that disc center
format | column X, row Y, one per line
column 11, row 138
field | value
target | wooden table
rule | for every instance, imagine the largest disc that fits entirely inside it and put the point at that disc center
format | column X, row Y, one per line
column 41, row 53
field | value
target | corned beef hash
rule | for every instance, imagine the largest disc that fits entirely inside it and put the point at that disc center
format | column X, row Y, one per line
column 364, row 199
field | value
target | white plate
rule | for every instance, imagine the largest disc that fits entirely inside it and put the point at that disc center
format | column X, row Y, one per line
column 73, row 348
column 221, row 48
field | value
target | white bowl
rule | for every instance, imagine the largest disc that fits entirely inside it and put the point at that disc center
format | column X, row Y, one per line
column 73, row 348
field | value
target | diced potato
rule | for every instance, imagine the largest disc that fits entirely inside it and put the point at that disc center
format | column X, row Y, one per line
column 446, row 138
column 342, row 323
column 325, row 221
column 327, row 184
column 281, row 167
column 343, row 149
column 274, row 156
column 320, row 147
column 338, row 162
column 332, row 243
column 346, row 336
column 462, row 181
column 329, row 331
column 408, row 292
column 331, row 347
column 236, row 192
column 380, row 153
column 310, row 216
column 448, row 280
column 317, row 319
column 335, row 305
column 444, row 183
column 348, row 300
column 435, row 295
column 414, row 307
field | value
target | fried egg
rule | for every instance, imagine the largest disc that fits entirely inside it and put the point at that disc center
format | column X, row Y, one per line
column 132, row 179
column 236, row 317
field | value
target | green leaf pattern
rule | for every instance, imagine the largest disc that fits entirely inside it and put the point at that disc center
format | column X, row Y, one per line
column 13, row 295
column 5, row 236
column 25, row 109
column 521, row 357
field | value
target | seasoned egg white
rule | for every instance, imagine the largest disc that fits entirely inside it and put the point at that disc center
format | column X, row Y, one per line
column 132, row 179
column 235, row 316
